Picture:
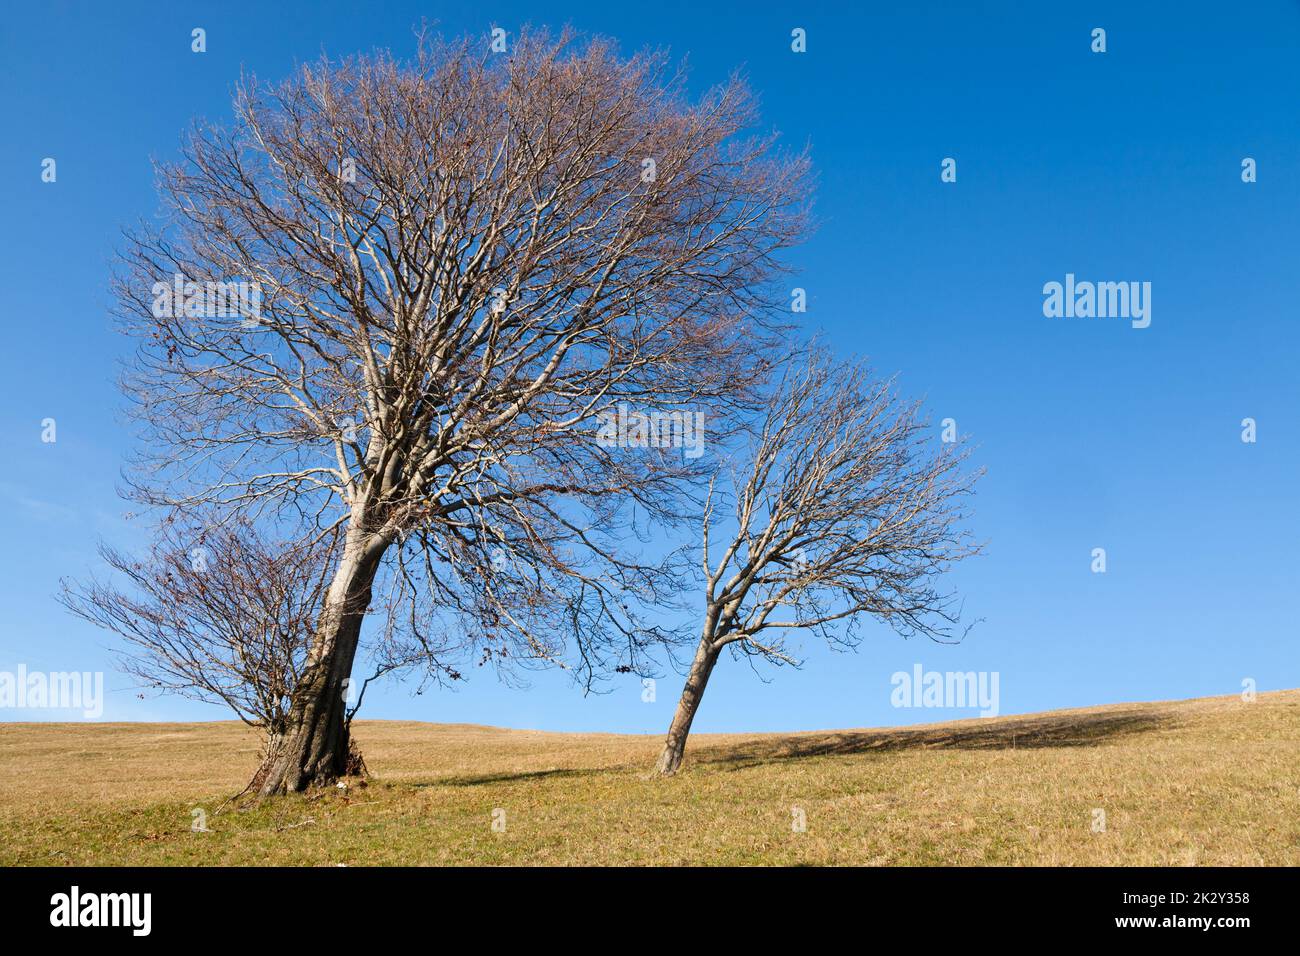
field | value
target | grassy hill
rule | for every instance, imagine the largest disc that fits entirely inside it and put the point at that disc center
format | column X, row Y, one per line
column 1211, row 781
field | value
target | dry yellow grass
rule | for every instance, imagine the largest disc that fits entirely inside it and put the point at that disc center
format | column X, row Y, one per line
column 1212, row 781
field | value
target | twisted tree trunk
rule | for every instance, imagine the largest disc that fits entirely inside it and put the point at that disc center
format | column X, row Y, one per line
column 706, row 655
column 314, row 748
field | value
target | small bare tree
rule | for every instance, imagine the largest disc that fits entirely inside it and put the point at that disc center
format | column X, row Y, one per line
column 217, row 614
column 455, row 267
column 845, row 510
column 223, row 614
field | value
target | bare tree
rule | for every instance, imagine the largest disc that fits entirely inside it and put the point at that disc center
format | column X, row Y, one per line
column 222, row 614
column 845, row 510
column 215, row 614
column 456, row 266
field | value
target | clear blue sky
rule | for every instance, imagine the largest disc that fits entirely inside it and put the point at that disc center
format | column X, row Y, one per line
column 1117, row 166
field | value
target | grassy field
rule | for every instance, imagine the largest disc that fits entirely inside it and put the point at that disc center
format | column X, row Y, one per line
column 1213, row 781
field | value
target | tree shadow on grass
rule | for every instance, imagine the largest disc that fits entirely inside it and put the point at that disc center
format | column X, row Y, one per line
column 476, row 780
column 1027, row 733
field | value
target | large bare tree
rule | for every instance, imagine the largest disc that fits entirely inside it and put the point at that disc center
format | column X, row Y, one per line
column 846, row 507
column 460, row 264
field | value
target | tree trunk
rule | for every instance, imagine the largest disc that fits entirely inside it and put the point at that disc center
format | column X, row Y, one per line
column 675, row 746
column 313, row 750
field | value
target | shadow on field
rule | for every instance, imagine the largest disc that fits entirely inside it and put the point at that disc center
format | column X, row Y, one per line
column 1029, row 733
column 480, row 779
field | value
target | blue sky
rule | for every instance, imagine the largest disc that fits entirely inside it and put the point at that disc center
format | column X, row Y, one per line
column 1117, row 166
